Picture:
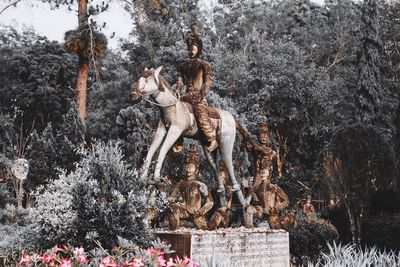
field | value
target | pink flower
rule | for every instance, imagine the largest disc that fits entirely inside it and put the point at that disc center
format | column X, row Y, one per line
column 182, row 262
column 82, row 258
column 194, row 264
column 81, row 255
column 66, row 263
column 171, row 263
column 108, row 262
column 79, row 251
column 46, row 258
column 25, row 259
column 186, row 260
column 154, row 251
column 137, row 262
column 161, row 262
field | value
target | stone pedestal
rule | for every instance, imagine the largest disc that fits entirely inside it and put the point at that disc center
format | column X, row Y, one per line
column 234, row 247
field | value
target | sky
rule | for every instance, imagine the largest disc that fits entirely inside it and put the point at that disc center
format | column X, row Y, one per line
column 54, row 23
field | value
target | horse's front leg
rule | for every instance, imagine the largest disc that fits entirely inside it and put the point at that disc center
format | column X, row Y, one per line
column 173, row 134
column 158, row 138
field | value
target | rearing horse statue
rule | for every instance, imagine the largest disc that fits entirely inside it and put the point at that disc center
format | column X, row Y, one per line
column 177, row 120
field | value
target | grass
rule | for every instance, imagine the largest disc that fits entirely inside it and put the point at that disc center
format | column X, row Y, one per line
column 350, row 255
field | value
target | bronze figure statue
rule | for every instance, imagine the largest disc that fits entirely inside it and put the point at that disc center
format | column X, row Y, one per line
column 308, row 207
column 263, row 154
column 222, row 217
column 271, row 200
column 196, row 74
column 196, row 201
column 177, row 118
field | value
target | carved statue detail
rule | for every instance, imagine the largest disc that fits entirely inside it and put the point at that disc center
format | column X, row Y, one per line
column 308, row 208
column 272, row 199
column 196, row 201
column 222, row 217
column 196, row 74
column 263, row 154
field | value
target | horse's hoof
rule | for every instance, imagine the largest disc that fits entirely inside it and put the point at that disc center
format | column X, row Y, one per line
column 212, row 146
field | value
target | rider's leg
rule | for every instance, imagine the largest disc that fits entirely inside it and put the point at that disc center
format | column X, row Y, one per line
column 204, row 123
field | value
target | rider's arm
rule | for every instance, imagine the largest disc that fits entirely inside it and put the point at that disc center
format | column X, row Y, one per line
column 207, row 78
column 180, row 82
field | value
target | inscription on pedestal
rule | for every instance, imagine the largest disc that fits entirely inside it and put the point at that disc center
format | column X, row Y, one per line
column 240, row 248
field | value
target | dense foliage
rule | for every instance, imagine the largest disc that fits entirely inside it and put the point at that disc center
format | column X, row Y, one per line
column 100, row 200
column 311, row 237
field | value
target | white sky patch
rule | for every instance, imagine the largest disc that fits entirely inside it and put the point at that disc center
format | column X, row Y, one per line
column 54, row 23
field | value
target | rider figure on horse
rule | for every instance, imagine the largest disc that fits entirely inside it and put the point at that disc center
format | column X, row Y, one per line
column 196, row 74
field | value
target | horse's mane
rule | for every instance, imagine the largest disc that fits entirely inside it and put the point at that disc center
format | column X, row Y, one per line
column 163, row 81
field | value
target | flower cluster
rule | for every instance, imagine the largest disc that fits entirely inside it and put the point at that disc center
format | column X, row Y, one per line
column 66, row 256
column 63, row 256
column 157, row 257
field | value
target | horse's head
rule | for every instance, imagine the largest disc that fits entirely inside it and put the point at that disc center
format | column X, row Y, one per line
column 148, row 84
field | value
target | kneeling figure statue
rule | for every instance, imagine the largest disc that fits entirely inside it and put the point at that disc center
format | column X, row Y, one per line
column 192, row 194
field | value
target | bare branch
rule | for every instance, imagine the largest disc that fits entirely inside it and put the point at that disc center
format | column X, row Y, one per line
column 10, row 5
column 336, row 61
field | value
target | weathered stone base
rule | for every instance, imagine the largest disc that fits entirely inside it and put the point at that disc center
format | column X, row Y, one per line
column 234, row 247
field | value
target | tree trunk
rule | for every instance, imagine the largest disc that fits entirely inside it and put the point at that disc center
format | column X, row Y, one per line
column 83, row 67
column 358, row 221
column 352, row 224
column 81, row 87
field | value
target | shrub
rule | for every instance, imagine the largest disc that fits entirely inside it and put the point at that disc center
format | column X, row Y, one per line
column 310, row 237
column 100, row 200
column 383, row 231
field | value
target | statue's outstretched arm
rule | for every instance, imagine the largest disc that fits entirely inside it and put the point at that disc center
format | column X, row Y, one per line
column 246, row 136
column 180, row 82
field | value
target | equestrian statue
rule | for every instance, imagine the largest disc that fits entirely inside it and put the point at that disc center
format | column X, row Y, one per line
column 189, row 116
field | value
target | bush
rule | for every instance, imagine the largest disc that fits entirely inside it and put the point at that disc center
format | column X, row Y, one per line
column 383, row 231
column 310, row 237
column 100, row 200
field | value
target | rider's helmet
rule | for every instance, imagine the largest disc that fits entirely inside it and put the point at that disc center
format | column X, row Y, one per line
column 194, row 39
